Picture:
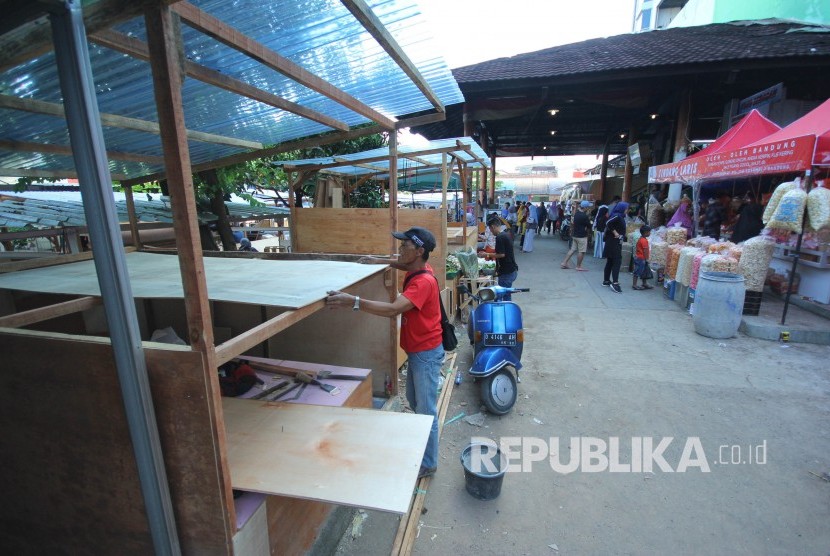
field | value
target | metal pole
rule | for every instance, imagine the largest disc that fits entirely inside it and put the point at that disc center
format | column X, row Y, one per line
column 89, row 152
column 808, row 178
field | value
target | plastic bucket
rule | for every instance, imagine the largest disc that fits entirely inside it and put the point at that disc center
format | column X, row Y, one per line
column 719, row 304
column 484, row 467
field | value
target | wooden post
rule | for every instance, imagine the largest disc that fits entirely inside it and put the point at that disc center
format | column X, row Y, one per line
column 164, row 42
column 393, row 188
column 629, row 168
column 128, row 195
column 603, row 172
column 493, row 173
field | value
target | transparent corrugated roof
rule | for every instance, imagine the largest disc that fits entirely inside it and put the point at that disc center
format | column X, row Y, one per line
column 321, row 36
column 48, row 209
column 404, row 163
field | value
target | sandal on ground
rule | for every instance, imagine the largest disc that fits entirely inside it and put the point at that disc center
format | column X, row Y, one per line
column 637, row 288
column 564, row 266
column 580, row 269
column 647, row 287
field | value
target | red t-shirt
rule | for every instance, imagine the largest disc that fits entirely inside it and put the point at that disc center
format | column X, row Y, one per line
column 642, row 249
column 421, row 325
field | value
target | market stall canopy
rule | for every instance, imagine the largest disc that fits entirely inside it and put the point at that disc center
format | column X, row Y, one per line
column 753, row 127
column 40, row 210
column 259, row 74
column 376, row 161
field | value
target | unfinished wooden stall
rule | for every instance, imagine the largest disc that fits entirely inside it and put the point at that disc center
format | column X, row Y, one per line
column 67, row 360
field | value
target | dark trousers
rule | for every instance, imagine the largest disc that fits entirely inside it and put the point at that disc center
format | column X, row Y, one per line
column 612, row 268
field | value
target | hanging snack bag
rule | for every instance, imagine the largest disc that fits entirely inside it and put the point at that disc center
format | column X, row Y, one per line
column 790, row 211
column 818, row 208
column 779, row 192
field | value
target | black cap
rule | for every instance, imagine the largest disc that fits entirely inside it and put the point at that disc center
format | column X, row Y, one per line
column 421, row 237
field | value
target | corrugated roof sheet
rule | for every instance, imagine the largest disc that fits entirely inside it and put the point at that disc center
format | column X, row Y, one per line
column 404, row 163
column 52, row 210
column 319, row 35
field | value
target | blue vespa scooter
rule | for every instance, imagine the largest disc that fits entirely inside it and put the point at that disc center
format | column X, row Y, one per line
column 495, row 331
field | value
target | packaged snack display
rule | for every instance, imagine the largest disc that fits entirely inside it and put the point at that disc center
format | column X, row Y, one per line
column 696, row 268
column 672, row 258
column 818, row 208
column 789, row 213
column 721, row 247
column 684, row 264
column 658, row 252
column 676, row 235
column 775, row 199
column 755, row 258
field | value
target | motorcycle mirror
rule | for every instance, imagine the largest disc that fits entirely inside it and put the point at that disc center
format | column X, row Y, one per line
column 487, row 294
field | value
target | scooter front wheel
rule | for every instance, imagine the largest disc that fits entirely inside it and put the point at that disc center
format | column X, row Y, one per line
column 499, row 391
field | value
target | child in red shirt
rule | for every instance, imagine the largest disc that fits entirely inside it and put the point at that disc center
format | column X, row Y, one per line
column 641, row 259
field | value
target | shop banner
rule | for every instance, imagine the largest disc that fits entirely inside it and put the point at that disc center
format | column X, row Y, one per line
column 786, row 155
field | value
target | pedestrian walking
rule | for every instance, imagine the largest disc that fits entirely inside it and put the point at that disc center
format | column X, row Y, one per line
column 553, row 217
column 541, row 216
column 641, row 255
column 419, row 305
column 521, row 214
column 530, row 230
column 506, row 268
column 579, row 236
column 599, row 231
column 613, row 238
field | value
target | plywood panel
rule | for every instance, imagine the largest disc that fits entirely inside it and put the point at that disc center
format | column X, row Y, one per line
column 329, row 454
column 337, row 336
column 258, row 281
column 68, row 473
column 331, row 230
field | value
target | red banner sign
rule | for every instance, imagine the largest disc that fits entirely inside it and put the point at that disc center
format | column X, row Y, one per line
column 787, row 155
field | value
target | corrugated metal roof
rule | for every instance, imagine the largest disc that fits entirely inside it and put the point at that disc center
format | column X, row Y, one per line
column 52, row 210
column 321, row 36
column 418, row 159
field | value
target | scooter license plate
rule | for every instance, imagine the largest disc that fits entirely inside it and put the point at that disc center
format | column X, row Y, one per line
column 499, row 339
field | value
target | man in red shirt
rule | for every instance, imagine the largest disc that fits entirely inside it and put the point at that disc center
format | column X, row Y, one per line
column 419, row 305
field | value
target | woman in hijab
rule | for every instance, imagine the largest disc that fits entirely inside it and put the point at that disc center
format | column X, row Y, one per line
column 683, row 216
column 613, row 237
column 599, row 230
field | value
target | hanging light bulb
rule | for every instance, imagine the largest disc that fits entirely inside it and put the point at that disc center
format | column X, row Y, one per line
column 553, row 132
column 553, row 111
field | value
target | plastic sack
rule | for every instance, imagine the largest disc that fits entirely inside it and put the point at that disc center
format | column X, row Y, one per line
column 789, row 213
column 818, row 208
column 779, row 192
column 755, row 259
column 468, row 259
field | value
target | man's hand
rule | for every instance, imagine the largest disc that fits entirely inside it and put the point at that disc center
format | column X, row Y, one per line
column 339, row 299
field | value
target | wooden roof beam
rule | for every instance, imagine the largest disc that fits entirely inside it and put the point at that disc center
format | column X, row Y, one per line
column 373, row 25
column 224, row 33
column 303, row 143
column 26, row 146
column 31, row 39
column 358, row 161
column 131, row 46
column 113, row 120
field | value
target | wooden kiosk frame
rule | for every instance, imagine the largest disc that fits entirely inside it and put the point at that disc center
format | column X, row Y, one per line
column 117, row 444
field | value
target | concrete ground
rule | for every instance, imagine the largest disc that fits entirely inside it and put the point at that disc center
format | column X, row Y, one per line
column 629, row 366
